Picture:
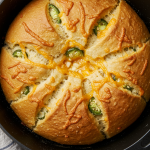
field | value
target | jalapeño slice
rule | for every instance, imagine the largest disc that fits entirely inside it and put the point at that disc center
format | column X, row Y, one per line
column 93, row 107
column 18, row 53
column 27, row 90
column 129, row 88
column 102, row 24
column 42, row 113
column 114, row 77
column 54, row 13
column 74, row 53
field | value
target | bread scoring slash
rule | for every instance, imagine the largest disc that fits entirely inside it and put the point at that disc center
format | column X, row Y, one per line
column 78, row 71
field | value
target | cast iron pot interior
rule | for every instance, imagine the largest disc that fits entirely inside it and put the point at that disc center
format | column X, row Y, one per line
column 12, row 126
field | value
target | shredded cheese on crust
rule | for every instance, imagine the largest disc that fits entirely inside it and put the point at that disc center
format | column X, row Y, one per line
column 28, row 30
column 123, row 38
column 82, row 20
column 67, row 5
column 144, row 67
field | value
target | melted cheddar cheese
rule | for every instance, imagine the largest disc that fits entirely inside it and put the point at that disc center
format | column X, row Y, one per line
column 103, row 32
column 33, row 90
column 78, row 68
column 71, row 43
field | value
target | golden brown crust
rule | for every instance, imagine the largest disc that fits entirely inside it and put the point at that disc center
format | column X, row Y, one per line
column 28, row 107
column 81, row 133
column 67, row 6
column 8, row 85
column 82, row 128
column 81, row 11
column 13, row 83
column 13, row 80
column 32, row 26
column 125, row 29
column 68, row 119
column 26, row 111
column 134, row 68
column 122, row 110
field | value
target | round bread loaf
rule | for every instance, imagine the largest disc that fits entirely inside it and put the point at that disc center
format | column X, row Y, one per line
column 76, row 72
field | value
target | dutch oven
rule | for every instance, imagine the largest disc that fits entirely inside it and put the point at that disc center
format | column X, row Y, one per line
column 135, row 137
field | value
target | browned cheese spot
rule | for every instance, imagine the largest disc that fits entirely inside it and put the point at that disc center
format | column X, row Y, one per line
column 24, row 80
column 77, row 89
column 129, row 77
column 72, row 114
column 52, row 80
column 82, row 20
column 14, row 65
column 132, row 61
column 140, row 44
column 108, row 94
column 132, row 58
column 20, row 69
column 72, row 24
column 65, row 99
column 119, row 128
column 32, row 78
column 34, row 99
column 66, row 136
column 92, row 16
column 39, row 99
column 141, row 92
column 123, row 38
column 45, row 43
column 67, row 5
column 135, row 81
column 100, row 98
column 8, row 81
column 144, row 67
column 97, row 88
column 17, row 89
column 129, row 71
column 50, row 88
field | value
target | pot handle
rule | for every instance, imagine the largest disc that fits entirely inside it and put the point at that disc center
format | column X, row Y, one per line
column 141, row 144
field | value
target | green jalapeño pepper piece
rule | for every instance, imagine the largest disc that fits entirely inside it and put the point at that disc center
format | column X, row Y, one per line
column 134, row 49
column 93, row 108
column 74, row 53
column 101, row 26
column 114, row 77
column 95, row 30
column 18, row 53
column 42, row 113
column 54, row 13
column 27, row 90
column 129, row 88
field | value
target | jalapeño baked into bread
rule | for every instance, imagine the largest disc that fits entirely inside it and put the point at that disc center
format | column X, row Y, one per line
column 76, row 72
